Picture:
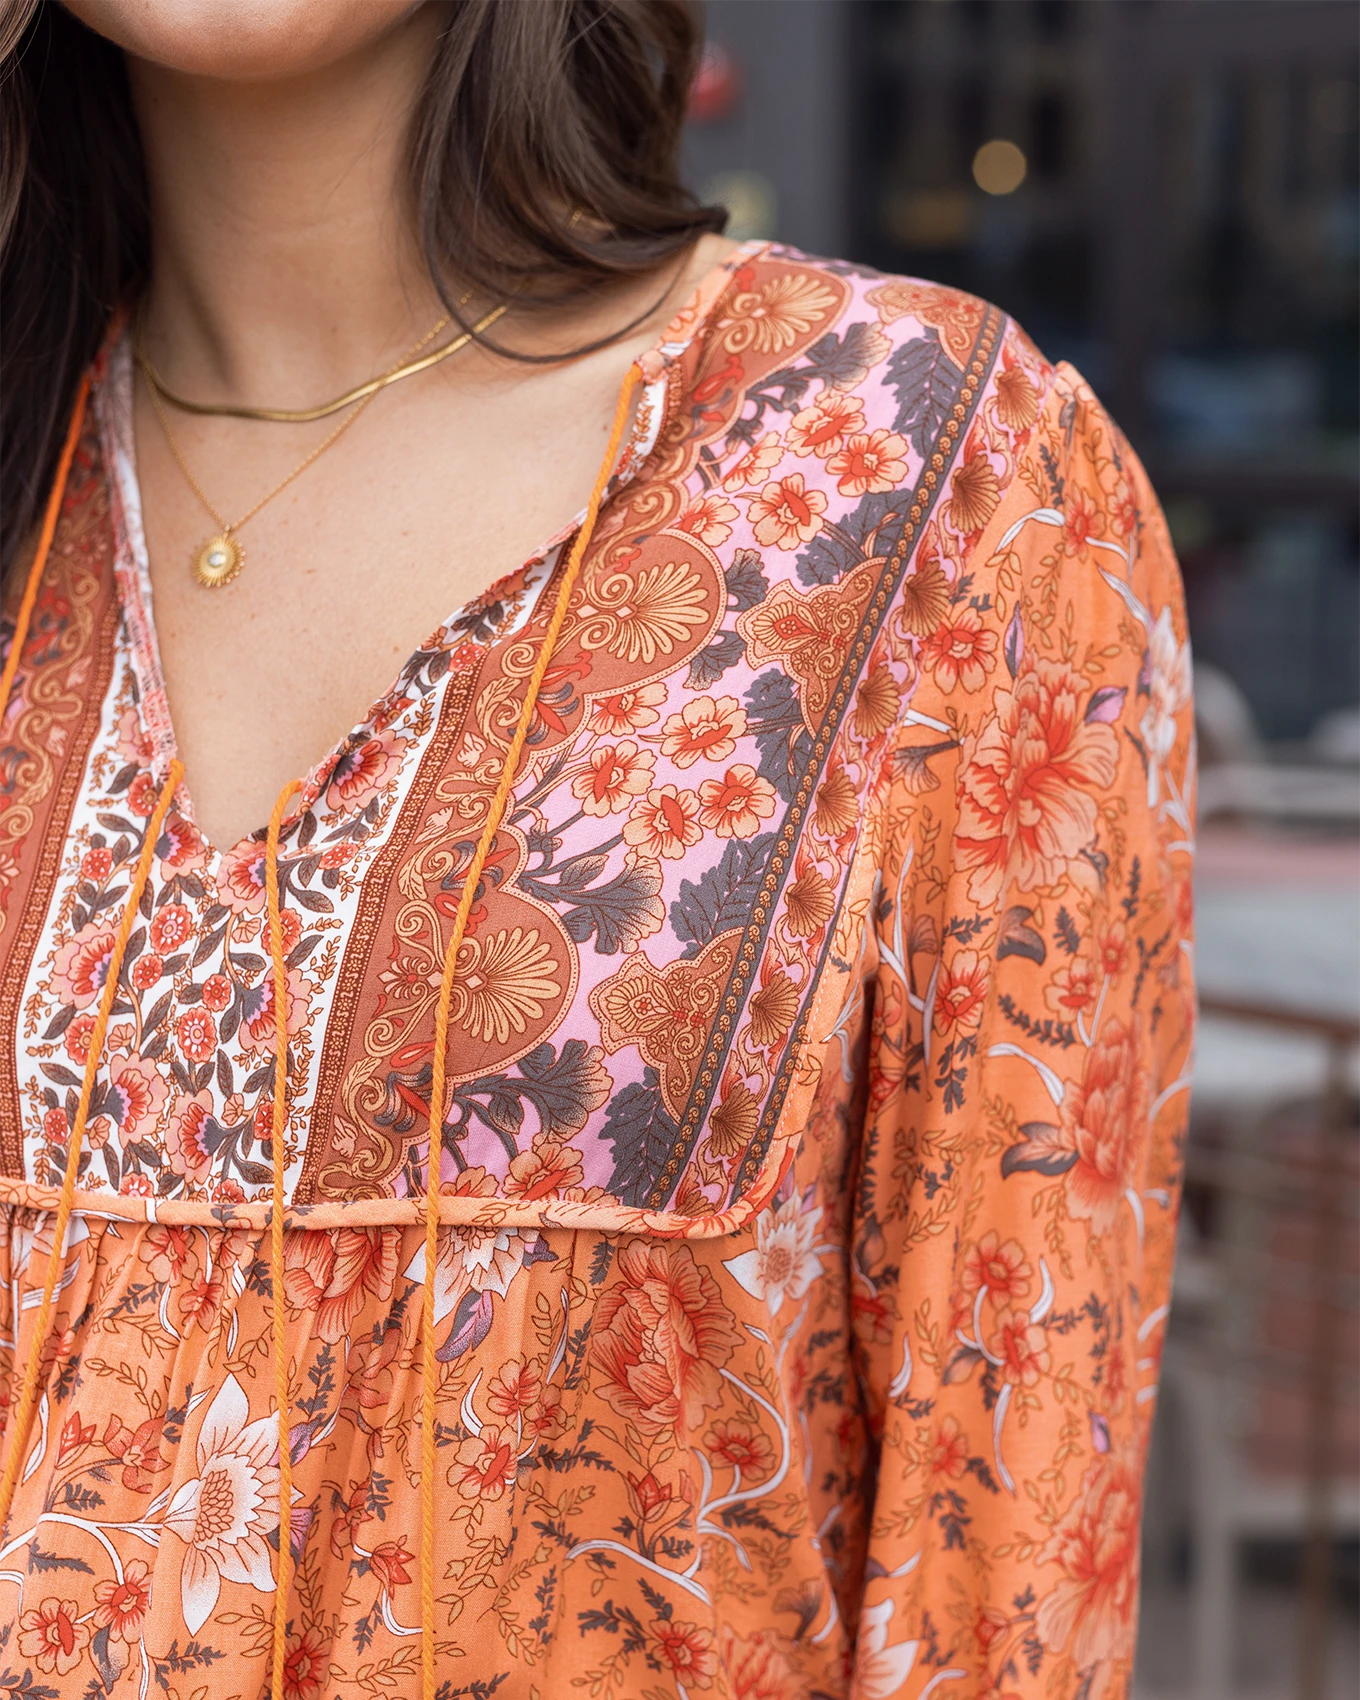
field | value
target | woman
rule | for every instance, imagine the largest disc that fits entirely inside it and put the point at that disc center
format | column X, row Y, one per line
column 778, row 880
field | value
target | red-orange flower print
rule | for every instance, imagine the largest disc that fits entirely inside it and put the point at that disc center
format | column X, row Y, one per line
column 1074, row 989
column 960, row 651
column 74, row 1438
column 686, row 1649
column 615, row 774
column 751, row 466
column 259, row 1027
column 550, row 1169
column 364, row 771
column 137, row 1095
column 998, row 1268
column 139, row 1452
column 370, row 1369
column 759, row 1666
column 1081, row 523
column 80, row 967
column 822, row 428
column 96, row 865
column 735, row 805
column 626, row 711
column 665, row 823
column 240, row 878
column 335, row 1276
column 121, row 1607
column 485, row 1464
column 141, row 795
column 186, row 1147
column 1090, row 1612
column 786, row 513
column 1103, row 1120
column 1028, row 806
column 305, row 1665
column 949, row 1449
column 516, row 1387
column 201, row 1300
column 661, row 1335
column 196, row 1035
column 1020, row 1346
column 167, row 1250
column 182, row 848
column 76, row 1041
column 709, row 519
column 740, row 1447
column 961, row 992
column 391, row 1563
column 1114, row 949
column 652, row 1499
column 53, row 1636
column 706, row 728
column 172, row 926
column 874, row 460
column 134, row 744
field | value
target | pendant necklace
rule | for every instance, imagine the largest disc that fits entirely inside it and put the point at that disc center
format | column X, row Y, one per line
column 218, row 560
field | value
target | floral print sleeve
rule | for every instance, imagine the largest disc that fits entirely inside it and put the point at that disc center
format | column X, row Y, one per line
column 1014, row 1213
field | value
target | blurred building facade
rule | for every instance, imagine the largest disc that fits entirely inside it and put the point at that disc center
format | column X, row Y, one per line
column 1186, row 231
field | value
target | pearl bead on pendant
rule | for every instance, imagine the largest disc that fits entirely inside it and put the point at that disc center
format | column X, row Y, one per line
column 218, row 561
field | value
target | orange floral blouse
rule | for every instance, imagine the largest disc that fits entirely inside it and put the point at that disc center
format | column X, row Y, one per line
column 817, row 1074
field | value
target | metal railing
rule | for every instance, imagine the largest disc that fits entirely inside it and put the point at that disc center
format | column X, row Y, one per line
column 1320, row 1279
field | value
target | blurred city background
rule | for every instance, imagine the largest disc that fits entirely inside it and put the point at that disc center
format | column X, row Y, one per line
column 1167, row 193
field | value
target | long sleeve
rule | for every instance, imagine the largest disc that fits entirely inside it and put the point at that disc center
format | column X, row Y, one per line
column 1015, row 1205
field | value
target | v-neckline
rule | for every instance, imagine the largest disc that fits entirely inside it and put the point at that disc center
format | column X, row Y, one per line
column 132, row 570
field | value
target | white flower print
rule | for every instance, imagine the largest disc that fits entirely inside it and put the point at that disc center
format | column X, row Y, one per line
column 1168, row 666
column 475, row 1260
column 784, row 1264
column 222, row 1515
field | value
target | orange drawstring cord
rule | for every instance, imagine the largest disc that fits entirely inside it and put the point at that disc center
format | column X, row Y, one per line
column 21, row 1408
column 499, row 799
column 278, row 1324
column 28, row 1393
column 45, row 536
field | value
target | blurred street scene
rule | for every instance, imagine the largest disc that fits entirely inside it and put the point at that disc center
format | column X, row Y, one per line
column 1167, row 194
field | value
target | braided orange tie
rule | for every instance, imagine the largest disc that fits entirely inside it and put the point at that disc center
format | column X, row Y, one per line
column 499, row 799
column 278, row 1322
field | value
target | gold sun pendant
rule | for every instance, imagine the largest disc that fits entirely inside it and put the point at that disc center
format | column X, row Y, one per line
column 218, row 561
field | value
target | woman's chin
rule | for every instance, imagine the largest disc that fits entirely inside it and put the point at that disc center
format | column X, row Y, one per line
column 242, row 40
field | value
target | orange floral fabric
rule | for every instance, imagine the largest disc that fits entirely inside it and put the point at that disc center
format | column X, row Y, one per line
column 820, row 1046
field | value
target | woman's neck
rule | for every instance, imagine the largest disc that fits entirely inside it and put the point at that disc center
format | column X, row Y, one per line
column 285, row 264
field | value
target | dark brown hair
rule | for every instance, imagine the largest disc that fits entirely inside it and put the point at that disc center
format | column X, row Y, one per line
column 544, row 166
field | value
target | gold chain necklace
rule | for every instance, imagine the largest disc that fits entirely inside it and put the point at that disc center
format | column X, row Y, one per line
column 406, row 368
column 218, row 560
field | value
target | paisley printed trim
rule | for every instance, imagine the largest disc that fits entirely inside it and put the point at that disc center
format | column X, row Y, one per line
column 922, row 504
column 51, row 723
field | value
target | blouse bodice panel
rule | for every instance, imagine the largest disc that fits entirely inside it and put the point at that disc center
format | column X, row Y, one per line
column 633, row 996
